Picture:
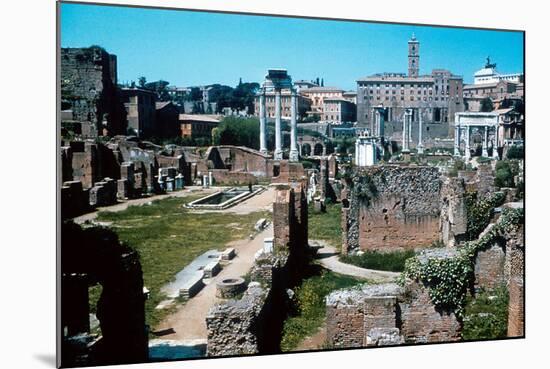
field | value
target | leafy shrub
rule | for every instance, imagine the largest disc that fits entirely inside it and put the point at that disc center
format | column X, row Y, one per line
column 480, row 212
column 486, row 315
column 390, row 261
column 504, row 177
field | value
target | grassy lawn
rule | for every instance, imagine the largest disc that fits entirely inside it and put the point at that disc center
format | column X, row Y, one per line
column 311, row 311
column 390, row 261
column 168, row 237
column 326, row 226
column 486, row 315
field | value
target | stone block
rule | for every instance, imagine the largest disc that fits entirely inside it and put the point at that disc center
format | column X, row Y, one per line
column 211, row 269
column 228, row 254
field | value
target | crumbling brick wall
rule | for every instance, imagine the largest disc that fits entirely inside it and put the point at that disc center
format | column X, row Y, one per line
column 489, row 267
column 400, row 209
column 422, row 321
column 516, row 320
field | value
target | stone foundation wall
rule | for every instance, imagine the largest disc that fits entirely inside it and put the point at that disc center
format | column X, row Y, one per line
column 244, row 159
column 234, row 328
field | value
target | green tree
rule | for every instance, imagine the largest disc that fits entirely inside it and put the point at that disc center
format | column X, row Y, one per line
column 237, row 131
column 486, row 105
column 142, row 81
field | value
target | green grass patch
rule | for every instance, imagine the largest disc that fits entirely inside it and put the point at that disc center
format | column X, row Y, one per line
column 311, row 310
column 168, row 237
column 390, row 261
column 486, row 315
column 326, row 226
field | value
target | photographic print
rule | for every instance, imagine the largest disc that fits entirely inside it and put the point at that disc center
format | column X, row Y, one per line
column 237, row 184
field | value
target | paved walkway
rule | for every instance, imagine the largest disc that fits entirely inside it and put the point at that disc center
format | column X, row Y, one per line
column 188, row 322
column 327, row 256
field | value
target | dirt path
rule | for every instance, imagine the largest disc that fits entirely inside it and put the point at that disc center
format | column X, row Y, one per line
column 188, row 322
column 314, row 342
column 327, row 256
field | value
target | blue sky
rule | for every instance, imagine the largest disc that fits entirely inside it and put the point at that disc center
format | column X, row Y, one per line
column 196, row 48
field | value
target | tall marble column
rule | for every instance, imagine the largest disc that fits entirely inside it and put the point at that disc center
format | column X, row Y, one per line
column 420, row 147
column 293, row 156
column 485, row 142
column 278, row 155
column 263, row 143
column 467, row 154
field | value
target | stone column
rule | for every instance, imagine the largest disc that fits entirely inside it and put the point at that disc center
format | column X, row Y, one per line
column 457, row 139
column 485, row 142
column 293, row 156
column 374, row 122
column 467, row 150
column 406, row 127
column 496, row 143
column 278, row 135
column 381, row 123
column 263, row 144
column 420, row 148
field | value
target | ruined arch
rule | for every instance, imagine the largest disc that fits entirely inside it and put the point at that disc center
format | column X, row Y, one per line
column 93, row 256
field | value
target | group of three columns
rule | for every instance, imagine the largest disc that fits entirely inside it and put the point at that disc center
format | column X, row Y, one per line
column 278, row 154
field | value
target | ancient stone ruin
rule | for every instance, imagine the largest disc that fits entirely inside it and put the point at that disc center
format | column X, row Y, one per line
column 415, row 311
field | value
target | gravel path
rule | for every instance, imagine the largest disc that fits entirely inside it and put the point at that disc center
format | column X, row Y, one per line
column 327, row 256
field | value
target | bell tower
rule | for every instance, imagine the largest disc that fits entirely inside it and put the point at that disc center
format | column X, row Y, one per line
column 414, row 56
